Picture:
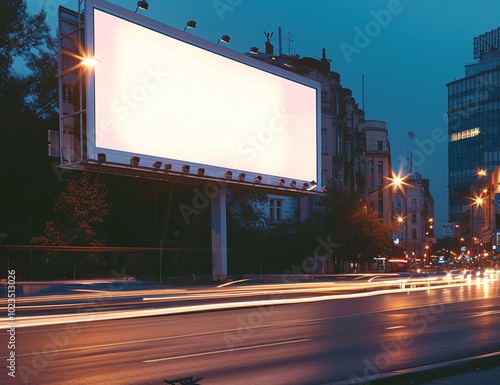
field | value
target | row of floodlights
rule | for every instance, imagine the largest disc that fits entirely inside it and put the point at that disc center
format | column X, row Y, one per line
column 191, row 24
column 135, row 160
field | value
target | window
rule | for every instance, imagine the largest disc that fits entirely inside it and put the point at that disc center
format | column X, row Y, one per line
column 324, row 177
column 337, row 103
column 413, row 234
column 67, row 94
column 380, row 145
column 275, row 209
column 323, row 141
column 413, row 218
column 380, row 173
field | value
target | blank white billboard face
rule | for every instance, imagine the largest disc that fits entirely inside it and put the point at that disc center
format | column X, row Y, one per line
column 161, row 97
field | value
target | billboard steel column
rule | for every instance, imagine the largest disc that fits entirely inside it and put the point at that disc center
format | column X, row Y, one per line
column 219, row 236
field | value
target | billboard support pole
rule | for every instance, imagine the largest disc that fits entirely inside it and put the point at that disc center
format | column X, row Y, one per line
column 219, row 236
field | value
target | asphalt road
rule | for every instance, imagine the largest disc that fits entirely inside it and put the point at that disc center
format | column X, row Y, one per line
column 309, row 343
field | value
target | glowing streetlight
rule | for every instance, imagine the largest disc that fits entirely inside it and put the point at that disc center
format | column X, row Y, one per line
column 478, row 201
column 90, row 61
column 397, row 181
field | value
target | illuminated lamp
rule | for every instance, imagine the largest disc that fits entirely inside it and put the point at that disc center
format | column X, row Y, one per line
column 168, row 166
column 241, row 177
column 101, row 157
column 142, row 5
column 281, row 183
column 190, row 24
column 90, row 61
column 134, row 161
column 201, row 171
column 293, row 184
column 254, row 50
column 312, row 186
column 157, row 164
column 186, row 168
column 257, row 179
column 228, row 174
column 224, row 39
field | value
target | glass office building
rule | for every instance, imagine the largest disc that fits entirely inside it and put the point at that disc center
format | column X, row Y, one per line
column 474, row 123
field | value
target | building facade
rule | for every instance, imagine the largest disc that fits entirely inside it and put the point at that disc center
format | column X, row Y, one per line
column 474, row 123
column 377, row 168
column 343, row 142
column 479, row 227
column 356, row 159
column 413, row 212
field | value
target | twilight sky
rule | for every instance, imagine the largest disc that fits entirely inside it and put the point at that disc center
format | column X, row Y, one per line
column 407, row 50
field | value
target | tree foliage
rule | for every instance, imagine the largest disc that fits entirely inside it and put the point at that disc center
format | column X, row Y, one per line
column 28, row 108
column 78, row 212
column 28, row 68
column 359, row 231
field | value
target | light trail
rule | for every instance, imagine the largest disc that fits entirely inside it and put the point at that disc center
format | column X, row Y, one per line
column 277, row 293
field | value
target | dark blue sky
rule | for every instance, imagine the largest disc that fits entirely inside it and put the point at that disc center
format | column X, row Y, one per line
column 407, row 50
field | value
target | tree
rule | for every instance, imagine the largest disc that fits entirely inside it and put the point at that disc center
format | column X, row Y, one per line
column 79, row 210
column 28, row 108
column 359, row 231
column 26, row 40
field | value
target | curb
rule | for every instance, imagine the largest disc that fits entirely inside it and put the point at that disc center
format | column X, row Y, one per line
column 427, row 373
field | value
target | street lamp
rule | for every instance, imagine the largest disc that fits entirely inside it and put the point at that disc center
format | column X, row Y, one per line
column 142, row 5
column 482, row 172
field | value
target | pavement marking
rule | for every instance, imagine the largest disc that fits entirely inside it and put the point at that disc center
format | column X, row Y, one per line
column 395, row 327
column 482, row 314
column 228, row 350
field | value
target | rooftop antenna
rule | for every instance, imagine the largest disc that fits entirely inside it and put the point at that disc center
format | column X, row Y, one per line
column 290, row 40
column 280, row 42
column 364, row 99
column 363, row 91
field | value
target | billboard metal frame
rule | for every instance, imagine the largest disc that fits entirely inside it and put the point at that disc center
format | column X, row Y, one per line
column 186, row 38
column 78, row 126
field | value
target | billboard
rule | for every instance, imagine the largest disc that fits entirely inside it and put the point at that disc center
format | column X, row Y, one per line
column 160, row 94
column 448, row 230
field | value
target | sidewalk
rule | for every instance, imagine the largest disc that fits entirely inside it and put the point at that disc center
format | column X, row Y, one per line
column 484, row 377
column 484, row 370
